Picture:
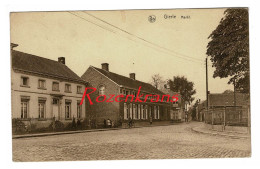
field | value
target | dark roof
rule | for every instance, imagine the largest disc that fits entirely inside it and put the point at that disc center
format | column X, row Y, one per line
column 228, row 99
column 128, row 82
column 41, row 66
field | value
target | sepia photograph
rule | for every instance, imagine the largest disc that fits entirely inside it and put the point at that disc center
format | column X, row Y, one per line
column 92, row 85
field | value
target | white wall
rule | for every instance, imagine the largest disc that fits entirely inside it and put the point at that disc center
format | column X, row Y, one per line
column 35, row 93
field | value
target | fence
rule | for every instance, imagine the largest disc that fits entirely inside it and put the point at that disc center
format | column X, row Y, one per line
column 228, row 116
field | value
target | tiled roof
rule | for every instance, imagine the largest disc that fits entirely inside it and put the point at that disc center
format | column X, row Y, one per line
column 228, row 99
column 128, row 82
column 41, row 66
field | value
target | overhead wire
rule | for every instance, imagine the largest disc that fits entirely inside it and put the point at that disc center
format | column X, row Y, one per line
column 154, row 46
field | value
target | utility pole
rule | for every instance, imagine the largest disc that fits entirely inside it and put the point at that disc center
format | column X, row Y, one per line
column 235, row 93
column 207, row 83
column 207, row 101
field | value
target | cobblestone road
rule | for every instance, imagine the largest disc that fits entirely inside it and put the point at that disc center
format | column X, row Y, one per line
column 162, row 142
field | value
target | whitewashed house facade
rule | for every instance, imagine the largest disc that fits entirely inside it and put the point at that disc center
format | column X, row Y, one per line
column 44, row 89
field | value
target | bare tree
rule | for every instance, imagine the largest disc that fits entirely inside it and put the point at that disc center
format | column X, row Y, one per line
column 157, row 81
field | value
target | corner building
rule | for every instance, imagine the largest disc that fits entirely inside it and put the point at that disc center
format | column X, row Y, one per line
column 43, row 89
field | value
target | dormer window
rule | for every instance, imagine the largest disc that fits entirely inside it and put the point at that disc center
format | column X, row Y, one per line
column 101, row 90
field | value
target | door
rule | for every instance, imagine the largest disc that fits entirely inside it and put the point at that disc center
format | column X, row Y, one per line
column 172, row 114
column 55, row 108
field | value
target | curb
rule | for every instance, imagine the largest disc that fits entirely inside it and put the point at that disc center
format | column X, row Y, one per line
column 218, row 134
column 79, row 131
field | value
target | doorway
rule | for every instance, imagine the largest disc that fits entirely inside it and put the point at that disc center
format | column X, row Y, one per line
column 55, row 108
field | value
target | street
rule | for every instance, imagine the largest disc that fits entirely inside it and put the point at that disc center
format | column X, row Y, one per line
column 161, row 142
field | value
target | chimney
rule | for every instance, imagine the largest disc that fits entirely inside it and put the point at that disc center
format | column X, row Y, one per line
column 13, row 45
column 132, row 75
column 105, row 66
column 61, row 60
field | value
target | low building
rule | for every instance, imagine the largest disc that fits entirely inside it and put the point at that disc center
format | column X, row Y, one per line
column 109, row 83
column 43, row 90
column 221, row 100
column 229, row 109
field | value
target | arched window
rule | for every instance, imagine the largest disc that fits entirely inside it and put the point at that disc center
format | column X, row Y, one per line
column 101, row 90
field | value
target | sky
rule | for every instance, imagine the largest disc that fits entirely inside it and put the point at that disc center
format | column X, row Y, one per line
column 169, row 46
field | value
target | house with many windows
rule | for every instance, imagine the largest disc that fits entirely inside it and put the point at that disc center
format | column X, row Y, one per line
column 44, row 89
column 109, row 83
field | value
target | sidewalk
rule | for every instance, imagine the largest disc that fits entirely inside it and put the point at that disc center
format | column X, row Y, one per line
column 155, row 124
column 204, row 130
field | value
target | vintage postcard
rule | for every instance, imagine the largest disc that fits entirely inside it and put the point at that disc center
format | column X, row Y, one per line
column 130, row 84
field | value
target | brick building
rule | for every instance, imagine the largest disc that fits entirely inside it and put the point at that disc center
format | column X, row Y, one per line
column 109, row 83
column 42, row 89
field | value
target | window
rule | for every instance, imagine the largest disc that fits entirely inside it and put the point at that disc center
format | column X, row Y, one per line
column 79, row 89
column 150, row 112
column 126, row 92
column 135, row 111
column 142, row 112
column 24, row 108
column 158, row 112
column 55, row 101
column 130, row 111
column 67, row 109
column 101, row 90
column 55, row 86
column 41, row 108
column 146, row 112
column 24, row 81
column 79, row 110
column 155, row 112
column 67, row 88
column 125, row 111
column 41, row 84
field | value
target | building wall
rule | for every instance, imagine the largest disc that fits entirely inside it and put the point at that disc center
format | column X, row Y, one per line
column 102, row 110
column 34, row 93
column 116, row 110
column 163, row 109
